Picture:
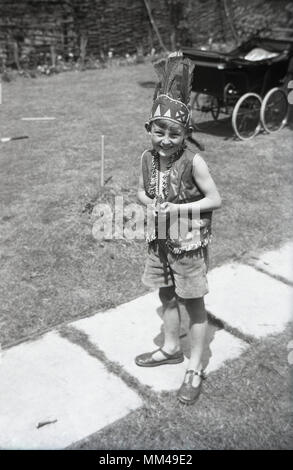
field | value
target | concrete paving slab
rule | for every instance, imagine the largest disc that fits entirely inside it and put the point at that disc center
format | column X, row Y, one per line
column 135, row 327
column 278, row 262
column 224, row 347
column 52, row 379
column 249, row 300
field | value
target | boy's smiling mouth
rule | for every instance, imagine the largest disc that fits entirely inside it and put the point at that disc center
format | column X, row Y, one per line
column 167, row 150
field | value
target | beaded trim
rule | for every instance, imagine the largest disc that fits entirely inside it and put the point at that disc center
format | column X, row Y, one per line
column 154, row 182
column 176, row 250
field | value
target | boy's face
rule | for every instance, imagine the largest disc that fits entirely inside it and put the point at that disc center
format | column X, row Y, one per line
column 167, row 137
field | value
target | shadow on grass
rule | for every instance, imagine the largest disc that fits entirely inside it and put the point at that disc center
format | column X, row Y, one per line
column 147, row 84
column 220, row 128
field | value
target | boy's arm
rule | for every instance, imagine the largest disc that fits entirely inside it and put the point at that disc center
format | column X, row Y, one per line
column 141, row 195
column 200, row 172
column 206, row 184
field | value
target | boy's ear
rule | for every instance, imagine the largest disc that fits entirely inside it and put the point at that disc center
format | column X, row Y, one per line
column 189, row 131
column 147, row 126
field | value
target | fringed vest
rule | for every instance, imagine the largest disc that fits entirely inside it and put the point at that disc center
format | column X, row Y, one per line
column 182, row 189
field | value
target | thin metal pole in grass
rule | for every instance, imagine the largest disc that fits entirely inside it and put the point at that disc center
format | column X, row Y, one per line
column 102, row 159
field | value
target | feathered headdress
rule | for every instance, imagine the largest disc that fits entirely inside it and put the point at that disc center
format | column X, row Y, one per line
column 172, row 93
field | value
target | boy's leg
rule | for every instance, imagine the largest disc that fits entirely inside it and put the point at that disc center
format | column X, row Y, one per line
column 198, row 328
column 191, row 386
column 171, row 320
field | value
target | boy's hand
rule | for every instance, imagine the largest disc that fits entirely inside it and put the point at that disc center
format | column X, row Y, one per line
column 168, row 208
column 153, row 209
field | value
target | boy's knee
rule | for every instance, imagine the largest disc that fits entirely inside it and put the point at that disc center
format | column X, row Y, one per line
column 196, row 301
column 167, row 296
column 196, row 309
column 181, row 300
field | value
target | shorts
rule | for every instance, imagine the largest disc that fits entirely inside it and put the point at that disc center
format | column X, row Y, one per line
column 189, row 272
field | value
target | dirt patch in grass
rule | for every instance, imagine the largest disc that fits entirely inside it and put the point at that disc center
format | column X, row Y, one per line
column 52, row 269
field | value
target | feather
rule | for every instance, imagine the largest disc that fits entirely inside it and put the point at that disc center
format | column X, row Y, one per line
column 173, row 88
column 186, row 81
column 160, row 69
column 170, row 72
column 157, row 90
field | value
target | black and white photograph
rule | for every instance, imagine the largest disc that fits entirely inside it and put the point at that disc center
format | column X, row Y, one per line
column 146, row 228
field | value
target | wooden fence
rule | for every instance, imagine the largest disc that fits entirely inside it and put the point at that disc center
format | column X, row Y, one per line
column 35, row 31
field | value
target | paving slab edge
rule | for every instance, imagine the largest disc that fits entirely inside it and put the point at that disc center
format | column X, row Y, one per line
column 214, row 319
column 263, row 270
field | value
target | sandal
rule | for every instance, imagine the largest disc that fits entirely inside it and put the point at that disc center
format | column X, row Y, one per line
column 147, row 360
column 187, row 393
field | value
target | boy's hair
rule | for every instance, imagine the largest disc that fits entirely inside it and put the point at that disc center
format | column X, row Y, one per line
column 164, row 123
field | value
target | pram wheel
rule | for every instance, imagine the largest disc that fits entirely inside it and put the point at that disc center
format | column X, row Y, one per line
column 202, row 105
column 215, row 107
column 274, row 110
column 246, row 116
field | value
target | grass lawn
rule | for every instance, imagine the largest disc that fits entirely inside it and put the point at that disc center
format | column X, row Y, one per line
column 52, row 269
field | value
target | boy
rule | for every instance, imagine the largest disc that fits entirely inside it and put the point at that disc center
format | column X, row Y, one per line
column 173, row 178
